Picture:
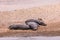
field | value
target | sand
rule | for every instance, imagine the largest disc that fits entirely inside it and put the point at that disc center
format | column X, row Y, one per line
column 49, row 13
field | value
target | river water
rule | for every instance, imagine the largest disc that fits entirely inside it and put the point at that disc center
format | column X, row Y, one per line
column 8, row 5
column 31, row 38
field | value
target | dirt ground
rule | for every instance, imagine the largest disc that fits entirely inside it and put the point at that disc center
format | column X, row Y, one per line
column 49, row 13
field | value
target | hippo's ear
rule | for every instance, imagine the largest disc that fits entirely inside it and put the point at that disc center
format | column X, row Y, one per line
column 39, row 18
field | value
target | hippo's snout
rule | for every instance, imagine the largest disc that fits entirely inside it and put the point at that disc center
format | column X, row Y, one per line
column 43, row 24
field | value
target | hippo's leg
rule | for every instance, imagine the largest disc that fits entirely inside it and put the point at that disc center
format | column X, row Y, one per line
column 13, row 27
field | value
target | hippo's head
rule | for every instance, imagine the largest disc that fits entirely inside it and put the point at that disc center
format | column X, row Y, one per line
column 41, row 22
column 13, row 27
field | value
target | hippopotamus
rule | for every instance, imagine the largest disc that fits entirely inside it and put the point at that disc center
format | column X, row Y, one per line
column 20, row 26
column 29, row 24
column 38, row 21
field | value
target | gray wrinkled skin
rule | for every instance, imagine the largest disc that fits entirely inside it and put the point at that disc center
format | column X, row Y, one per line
column 33, row 25
column 19, row 27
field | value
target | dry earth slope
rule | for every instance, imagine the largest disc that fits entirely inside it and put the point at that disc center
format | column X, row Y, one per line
column 49, row 13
